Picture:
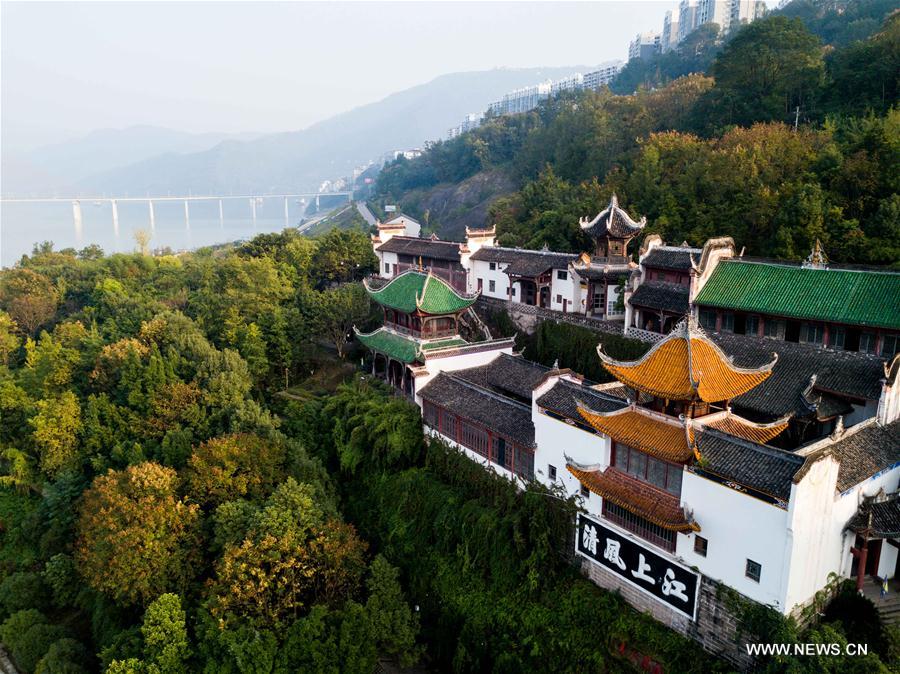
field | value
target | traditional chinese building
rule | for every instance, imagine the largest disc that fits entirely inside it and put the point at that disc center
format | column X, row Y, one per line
column 421, row 331
column 586, row 284
column 841, row 308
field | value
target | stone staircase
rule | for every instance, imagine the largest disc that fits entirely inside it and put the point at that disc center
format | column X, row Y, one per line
column 889, row 607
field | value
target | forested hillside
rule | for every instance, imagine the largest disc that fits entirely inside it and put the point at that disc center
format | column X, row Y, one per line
column 785, row 139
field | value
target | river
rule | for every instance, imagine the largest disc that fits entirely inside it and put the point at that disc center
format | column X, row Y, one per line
column 24, row 224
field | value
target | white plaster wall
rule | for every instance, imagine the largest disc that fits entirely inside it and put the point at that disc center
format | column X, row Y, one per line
column 699, row 280
column 582, row 295
column 556, row 439
column 482, row 270
column 570, row 290
column 457, row 362
column 384, row 258
column 889, row 403
column 888, row 562
column 737, row 527
column 813, row 540
column 612, row 296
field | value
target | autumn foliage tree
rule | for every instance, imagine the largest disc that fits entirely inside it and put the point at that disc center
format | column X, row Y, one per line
column 232, row 467
column 292, row 557
column 136, row 539
column 30, row 298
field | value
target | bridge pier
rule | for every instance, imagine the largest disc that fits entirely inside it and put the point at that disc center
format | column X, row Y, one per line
column 79, row 223
column 152, row 216
column 253, row 210
column 317, row 203
column 187, row 215
column 221, row 215
column 115, row 214
column 287, row 219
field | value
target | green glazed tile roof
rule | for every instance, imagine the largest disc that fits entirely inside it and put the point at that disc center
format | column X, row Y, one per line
column 869, row 298
column 398, row 347
column 414, row 289
column 444, row 343
column 402, row 348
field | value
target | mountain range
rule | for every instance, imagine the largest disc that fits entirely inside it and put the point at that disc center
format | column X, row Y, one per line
column 151, row 160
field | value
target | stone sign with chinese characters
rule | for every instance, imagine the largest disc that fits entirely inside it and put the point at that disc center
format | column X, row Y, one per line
column 662, row 578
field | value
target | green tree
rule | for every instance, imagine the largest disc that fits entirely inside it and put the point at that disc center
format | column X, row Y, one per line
column 771, row 67
column 342, row 256
column 66, row 656
column 293, row 556
column 9, row 340
column 338, row 310
column 165, row 635
column 57, row 425
column 29, row 297
column 232, row 467
column 394, row 625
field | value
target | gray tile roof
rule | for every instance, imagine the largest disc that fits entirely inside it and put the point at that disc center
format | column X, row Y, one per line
column 672, row 297
column 671, row 257
column 885, row 520
column 759, row 467
column 495, row 254
column 866, row 452
column 495, row 412
column 512, row 376
column 534, row 263
column 602, row 272
column 524, row 262
column 407, row 245
column 842, row 373
column 613, row 221
column 562, row 398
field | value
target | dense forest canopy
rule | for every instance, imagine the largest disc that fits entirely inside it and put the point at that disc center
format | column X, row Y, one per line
column 786, row 139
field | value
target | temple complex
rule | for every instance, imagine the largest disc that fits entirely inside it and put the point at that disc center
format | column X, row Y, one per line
column 843, row 308
column 729, row 456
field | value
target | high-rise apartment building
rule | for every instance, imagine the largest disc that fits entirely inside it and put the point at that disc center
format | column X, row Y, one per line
column 669, row 37
column 687, row 18
column 644, row 45
column 715, row 11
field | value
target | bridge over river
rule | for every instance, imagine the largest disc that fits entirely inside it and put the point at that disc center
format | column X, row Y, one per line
column 253, row 201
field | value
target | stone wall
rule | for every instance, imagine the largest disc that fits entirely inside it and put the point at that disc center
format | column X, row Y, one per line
column 716, row 627
column 526, row 316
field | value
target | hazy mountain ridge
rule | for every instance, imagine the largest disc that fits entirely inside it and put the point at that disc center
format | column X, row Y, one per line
column 300, row 160
column 60, row 167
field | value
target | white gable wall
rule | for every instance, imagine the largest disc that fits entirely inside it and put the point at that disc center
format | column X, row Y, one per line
column 738, row 527
column 568, row 289
column 482, row 270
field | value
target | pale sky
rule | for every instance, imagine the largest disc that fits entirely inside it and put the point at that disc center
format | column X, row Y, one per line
column 70, row 68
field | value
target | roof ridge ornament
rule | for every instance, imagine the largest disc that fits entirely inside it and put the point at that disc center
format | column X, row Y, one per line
column 817, row 258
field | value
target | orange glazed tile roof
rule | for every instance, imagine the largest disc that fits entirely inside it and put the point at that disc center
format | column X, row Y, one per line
column 653, row 505
column 642, row 430
column 687, row 365
column 748, row 430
